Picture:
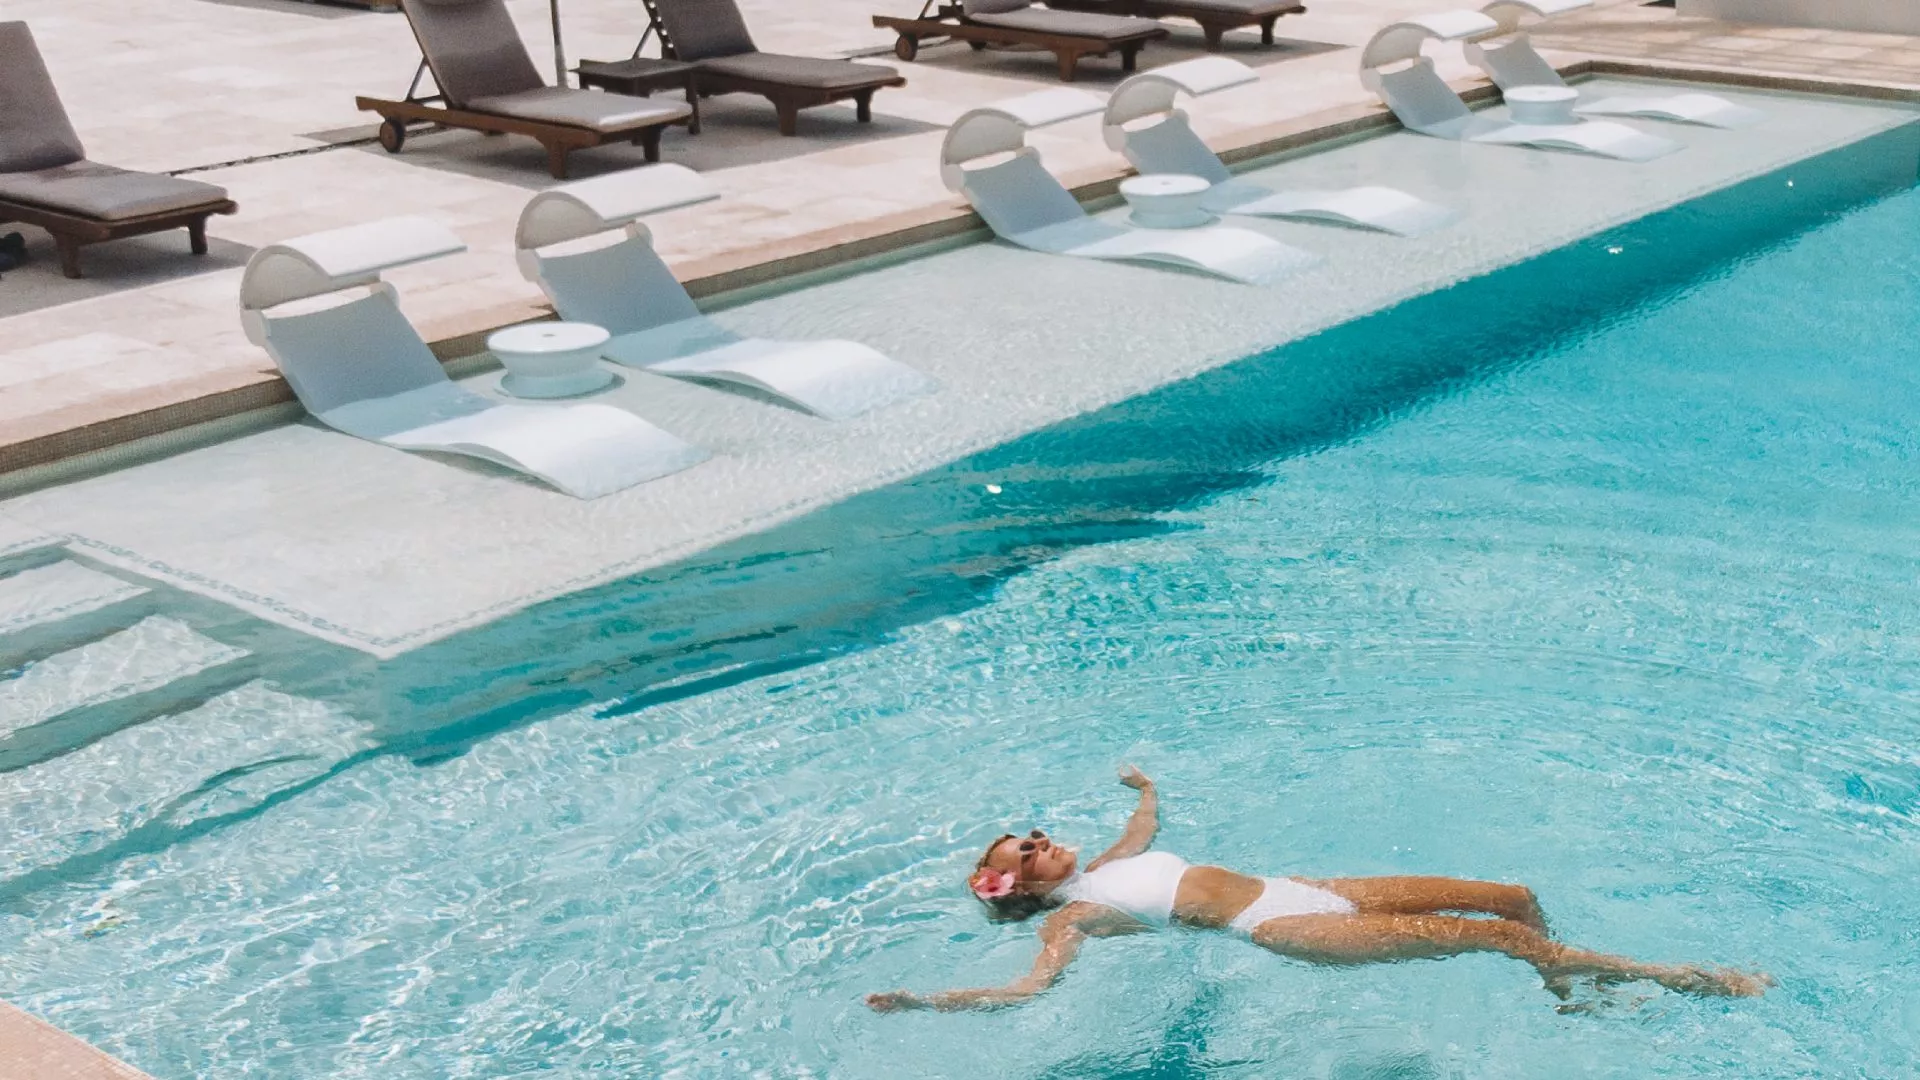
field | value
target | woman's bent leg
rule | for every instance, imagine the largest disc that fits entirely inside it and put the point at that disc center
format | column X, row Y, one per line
column 1363, row 939
column 1432, row 895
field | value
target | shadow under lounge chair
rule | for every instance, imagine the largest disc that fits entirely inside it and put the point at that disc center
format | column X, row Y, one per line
column 712, row 36
column 46, row 179
column 1215, row 17
column 488, row 83
column 360, row 368
column 1069, row 35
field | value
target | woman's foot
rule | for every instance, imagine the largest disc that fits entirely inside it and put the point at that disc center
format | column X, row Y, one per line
column 1715, row 982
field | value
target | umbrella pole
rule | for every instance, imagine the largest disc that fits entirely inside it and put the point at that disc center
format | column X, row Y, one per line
column 559, row 53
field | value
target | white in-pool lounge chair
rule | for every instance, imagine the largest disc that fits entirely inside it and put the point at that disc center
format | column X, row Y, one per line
column 1423, row 101
column 625, row 287
column 1024, row 204
column 359, row 367
column 1510, row 61
column 1142, row 123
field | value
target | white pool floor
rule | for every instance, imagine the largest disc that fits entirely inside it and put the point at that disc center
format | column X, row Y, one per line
column 385, row 551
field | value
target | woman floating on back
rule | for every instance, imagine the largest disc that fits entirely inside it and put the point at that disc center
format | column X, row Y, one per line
column 1129, row 889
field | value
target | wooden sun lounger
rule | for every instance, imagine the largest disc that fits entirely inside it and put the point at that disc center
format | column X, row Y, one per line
column 950, row 21
column 712, row 36
column 559, row 140
column 488, row 83
column 1215, row 17
column 47, row 181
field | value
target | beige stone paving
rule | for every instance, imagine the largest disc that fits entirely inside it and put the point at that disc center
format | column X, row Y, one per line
column 185, row 84
column 1621, row 32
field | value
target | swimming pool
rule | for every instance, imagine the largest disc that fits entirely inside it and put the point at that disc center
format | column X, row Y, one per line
column 1594, row 572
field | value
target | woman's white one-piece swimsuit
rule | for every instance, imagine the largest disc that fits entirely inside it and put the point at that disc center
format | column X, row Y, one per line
column 1144, row 886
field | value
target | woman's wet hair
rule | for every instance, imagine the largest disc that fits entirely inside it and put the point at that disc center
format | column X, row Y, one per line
column 1014, row 906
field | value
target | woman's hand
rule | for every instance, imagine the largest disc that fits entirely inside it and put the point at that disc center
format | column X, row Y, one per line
column 1134, row 778
column 894, row 1001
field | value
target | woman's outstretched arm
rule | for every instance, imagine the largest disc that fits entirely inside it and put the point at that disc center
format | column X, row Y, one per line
column 1060, row 938
column 1141, row 826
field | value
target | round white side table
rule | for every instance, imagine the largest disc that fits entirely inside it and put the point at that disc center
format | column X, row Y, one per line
column 551, row 359
column 1544, row 105
column 1166, row 200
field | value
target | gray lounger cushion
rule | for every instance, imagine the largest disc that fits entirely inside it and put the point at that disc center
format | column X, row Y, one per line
column 705, row 29
column 992, row 7
column 800, row 71
column 582, row 108
column 34, row 130
column 472, row 48
column 89, row 189
column 1252, row 8
column 1070, row 23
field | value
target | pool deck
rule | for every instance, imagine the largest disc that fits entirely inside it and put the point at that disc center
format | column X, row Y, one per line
column 148, row 344
column 387, row 551
column 147, row 354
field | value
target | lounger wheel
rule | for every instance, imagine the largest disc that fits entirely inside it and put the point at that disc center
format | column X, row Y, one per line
column 393, row 135
column 906, row 47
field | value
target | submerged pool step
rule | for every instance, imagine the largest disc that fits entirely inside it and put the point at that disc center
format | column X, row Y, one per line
column 56, row 591
column 166, row 775
column 146, row 656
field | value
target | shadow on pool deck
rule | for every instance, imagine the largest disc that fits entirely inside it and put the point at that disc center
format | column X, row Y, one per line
column 113, row 267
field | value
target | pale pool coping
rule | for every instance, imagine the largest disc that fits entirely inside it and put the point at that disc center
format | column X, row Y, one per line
column 385, row 551
column 36, row 1050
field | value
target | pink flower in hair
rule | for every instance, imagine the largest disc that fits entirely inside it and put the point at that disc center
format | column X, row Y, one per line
column 990, row 884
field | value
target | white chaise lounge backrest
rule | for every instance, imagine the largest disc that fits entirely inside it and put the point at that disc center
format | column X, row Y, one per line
column 624, row 286
column 1143, row 123
column 358, row 351
column 1415, row 92
column 1016, row 195
column 1508, row 57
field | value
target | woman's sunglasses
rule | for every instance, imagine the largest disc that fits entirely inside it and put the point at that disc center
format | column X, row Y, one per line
column 1035, row 841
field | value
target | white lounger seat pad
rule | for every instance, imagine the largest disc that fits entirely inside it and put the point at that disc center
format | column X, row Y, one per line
column 835, row 380
column 1383, row 208
column 1088, row 24
column 584, row 450
column 1593, row 137
column 1237, row 254
column 1704, row 109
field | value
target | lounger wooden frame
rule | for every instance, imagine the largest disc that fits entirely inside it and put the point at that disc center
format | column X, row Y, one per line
column 1214, row 23
column 558, row 139
column 949, row 22
column 72, row 231
column 788, row 100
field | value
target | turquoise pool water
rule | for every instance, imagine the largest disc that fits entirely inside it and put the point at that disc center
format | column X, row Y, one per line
column 1595, row 573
